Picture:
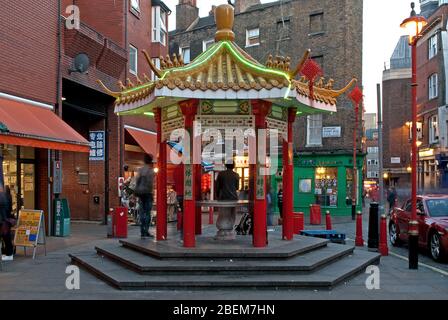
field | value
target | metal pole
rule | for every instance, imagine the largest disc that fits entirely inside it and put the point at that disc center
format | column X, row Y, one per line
column 380, row 149
column 413, row 224
column 355, row 171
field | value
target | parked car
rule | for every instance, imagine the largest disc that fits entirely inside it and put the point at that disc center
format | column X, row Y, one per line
column 432, row 216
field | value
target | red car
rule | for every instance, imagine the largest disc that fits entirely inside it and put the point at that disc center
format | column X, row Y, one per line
column 432, row 216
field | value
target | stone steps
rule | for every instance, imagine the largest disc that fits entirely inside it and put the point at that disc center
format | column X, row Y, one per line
column 326, row 277
column 143, row 263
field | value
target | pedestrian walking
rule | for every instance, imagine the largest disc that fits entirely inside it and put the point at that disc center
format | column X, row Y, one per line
column 145, row 191
column 172, row 203
column 6, row 222
column 391, row 198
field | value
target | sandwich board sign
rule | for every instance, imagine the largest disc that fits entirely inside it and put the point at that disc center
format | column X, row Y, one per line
column 30, row 232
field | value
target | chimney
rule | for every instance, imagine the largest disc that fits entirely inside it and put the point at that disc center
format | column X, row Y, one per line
column 242, row 5
column 212, row 11
column 186, row 13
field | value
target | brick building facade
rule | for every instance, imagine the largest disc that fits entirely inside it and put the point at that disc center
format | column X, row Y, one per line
column 38, row 63
column 333, row 31
column 397, row 115
column 432, row 101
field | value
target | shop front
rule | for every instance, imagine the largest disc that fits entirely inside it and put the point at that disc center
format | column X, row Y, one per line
column 326, row 180
column 28, row 132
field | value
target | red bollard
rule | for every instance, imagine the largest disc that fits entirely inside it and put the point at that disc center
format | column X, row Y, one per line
column 328, row 221
column 384, row 250
column 359, row 240
column 315, row 214
column 299, row 222
column 210, row 215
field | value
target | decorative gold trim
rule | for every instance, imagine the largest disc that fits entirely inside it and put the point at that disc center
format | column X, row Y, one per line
column 300, row 64
column 154, row 69
column 108, row 91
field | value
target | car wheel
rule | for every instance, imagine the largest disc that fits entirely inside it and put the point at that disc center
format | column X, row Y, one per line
column 394, row 236
column 435, row 247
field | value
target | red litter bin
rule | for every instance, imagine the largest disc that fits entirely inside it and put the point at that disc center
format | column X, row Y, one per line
column 119, row 222
column 315, row 215
column 299, row 222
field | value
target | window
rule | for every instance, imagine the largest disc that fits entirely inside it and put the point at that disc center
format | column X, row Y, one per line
column 135, row 5
column 372, row 150
column 433, row 129
column 432, row 47
column 185, row 54
column 372, row 174
column 316, row 23
column 252, row 37
column 433, row 86
column 159, row 30
column 314, row 130
column 133, row 56
column 156, row 62
column 284, row 29
column 207, row 44
column 326, row 187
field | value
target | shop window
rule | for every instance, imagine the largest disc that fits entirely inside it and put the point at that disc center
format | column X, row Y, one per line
column 326, row 187
column 314, row 130
column 159, row 29
column 252, row 37
column 349, row 175
column 133, row 56
column 185, row 54
column 433, row 129
column 432, row 47
column 433, row 83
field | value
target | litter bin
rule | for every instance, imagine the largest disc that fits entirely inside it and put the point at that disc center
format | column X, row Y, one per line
column 315, row 214
column 299, row 222
column 117, row 223
column 61, row 218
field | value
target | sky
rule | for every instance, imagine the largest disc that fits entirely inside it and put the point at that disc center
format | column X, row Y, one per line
column 382, row 19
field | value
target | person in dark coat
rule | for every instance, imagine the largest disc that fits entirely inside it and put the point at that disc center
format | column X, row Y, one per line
column 227, row 184
column 280, row 202
column 145, row 191
column 5, row 226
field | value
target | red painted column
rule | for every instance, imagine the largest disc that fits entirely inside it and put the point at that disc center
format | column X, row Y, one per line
column 189, row 110
column 162, row 224
column 198, row 180
column 260, row 109
column 288, row 179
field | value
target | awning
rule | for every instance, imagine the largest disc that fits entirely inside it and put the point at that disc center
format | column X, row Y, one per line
column 28, row 125
column 147, row 140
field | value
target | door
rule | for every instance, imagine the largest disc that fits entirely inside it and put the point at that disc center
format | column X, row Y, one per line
column 28, row 186
column 422, row 225
column 403, row 218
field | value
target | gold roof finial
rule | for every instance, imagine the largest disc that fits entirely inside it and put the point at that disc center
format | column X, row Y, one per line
column 224, row 17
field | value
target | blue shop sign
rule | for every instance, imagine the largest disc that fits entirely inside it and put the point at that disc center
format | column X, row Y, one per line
column 97, row 145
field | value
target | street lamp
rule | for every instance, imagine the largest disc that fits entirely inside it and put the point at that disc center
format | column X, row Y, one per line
column 414, row 26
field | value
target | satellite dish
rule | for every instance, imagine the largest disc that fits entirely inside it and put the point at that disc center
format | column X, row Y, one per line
column 81, row 64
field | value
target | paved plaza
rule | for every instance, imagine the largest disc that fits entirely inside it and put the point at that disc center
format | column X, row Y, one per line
column 45, row 277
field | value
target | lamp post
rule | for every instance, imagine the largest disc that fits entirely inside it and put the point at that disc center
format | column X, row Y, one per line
column 414, row 25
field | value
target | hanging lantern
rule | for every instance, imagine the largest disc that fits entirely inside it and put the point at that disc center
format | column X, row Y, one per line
column 311, row 70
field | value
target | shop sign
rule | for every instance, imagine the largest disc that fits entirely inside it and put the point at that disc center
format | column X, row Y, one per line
column 395, row 160
column 57, row 177
column 29, row 231
column 97, row 145
column 331, row 132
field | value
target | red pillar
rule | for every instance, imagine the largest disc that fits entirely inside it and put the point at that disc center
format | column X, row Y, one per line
column 260, row 109
column 189, row 110
column 161, row 225
column 288, row 179
column 198, row 180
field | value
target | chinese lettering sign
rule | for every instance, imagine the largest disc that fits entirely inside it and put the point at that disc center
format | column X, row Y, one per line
column 260, row 187
column 188, row 182
column 97, row 145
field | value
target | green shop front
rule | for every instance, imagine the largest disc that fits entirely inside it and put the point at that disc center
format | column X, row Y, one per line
column 326, row 180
